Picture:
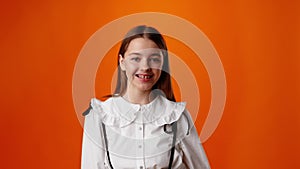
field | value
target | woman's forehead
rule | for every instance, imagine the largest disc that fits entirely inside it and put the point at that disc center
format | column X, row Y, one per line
column 141, row 43
column 145, row 52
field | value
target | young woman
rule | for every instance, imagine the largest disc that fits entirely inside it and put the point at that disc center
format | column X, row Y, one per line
column 141, row 126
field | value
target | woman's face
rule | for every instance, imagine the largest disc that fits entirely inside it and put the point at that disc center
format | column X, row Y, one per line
column 142, row 63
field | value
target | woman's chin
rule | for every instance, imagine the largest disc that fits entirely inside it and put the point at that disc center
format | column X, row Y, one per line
column 144, row 87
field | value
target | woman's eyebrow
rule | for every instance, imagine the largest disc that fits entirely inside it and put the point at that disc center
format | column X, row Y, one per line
column 135, row 53
column 155, row 54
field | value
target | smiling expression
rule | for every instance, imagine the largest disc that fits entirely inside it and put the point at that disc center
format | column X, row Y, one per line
column 142, row 63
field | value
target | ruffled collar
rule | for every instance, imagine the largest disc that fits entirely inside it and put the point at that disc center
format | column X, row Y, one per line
column 118, row 112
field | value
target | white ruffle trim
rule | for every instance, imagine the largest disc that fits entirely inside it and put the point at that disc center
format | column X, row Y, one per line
column 108, row 115
column 107, row 111
column 172, row 113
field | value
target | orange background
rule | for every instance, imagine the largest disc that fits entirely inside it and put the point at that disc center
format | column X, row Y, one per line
column 257, row 41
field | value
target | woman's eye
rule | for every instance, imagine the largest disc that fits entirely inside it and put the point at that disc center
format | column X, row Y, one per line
column 135, row 59
column 156, row 60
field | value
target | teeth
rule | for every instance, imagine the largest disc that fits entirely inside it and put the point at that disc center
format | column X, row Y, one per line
column 144, row 76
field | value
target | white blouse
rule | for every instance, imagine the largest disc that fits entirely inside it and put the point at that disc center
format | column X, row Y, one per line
column 136, row 137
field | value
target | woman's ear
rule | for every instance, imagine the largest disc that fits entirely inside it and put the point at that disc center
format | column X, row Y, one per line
column 121, row 62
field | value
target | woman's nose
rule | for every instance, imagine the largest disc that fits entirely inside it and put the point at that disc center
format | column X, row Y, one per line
column 145, row 64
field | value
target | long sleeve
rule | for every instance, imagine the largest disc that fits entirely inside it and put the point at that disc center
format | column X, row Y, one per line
column 194, row 155
column 93, row 154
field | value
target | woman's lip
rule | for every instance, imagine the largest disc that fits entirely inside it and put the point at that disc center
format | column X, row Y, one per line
column 144, row 76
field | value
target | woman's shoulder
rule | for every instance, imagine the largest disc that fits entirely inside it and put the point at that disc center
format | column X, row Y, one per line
column 112, row 111
column 169, row 111
column 98, row 104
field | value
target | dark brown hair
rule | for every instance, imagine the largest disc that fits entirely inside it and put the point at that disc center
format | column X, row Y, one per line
column 164, row 82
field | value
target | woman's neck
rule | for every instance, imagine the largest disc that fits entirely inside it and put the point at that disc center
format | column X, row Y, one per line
column 137, row 97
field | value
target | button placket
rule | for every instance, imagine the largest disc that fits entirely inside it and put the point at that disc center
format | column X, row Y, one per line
column 140, row 140
column 140, row 137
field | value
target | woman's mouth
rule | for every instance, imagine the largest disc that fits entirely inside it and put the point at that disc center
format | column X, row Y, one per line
column 144, row 76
